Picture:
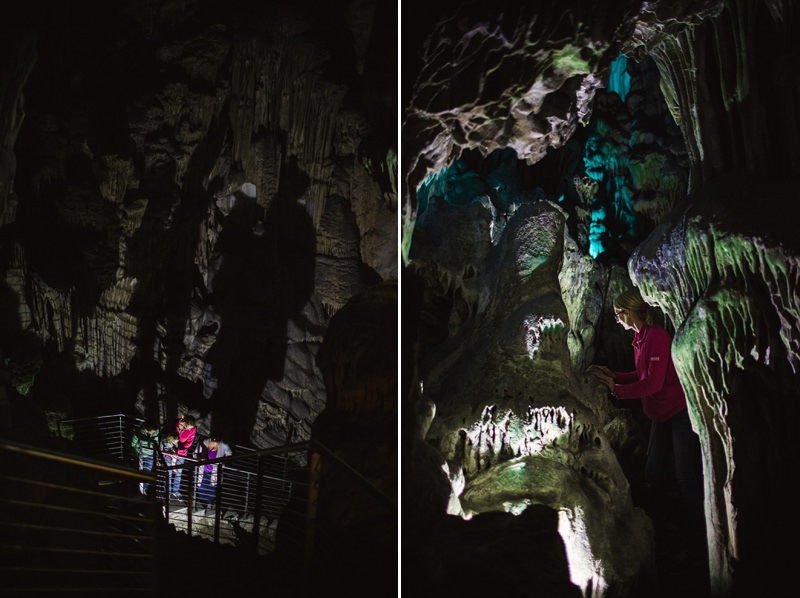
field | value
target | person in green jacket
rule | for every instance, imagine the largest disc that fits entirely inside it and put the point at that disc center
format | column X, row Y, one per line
column 144, row 444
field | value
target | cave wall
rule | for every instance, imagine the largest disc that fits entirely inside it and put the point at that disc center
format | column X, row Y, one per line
column 722, row 269
column 190, row 191
column 730, row 283
column 720, row 263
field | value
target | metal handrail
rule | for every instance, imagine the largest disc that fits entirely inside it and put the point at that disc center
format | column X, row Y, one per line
column 275, row 450
column 92, row 418
column 311, row 445
column 254, row 496
column 275, row 496
column 57, row 537
column 235, row 494
column 72, row 460
column 321, row 448
column 290, row 448
column 191, row 466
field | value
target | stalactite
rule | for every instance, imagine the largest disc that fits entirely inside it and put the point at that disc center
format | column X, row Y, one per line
column 16, row 278
column 743, row 260
column 499, row 436
column 704, row 374
column 734, row 29
column 18, row 64
column 51, row 312
column 113, row 181
column 105, row 343
column 207, row 239
column 264, row 78
column 734, row 299
column 676, row 61
column 312, row 124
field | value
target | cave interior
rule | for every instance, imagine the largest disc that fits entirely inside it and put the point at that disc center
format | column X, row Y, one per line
column 198, row 216
column 552, row 156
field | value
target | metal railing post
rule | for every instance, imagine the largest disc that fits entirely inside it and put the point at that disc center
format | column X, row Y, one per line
column 247, row 492
column 218, row 501
column 189, row 499
column 166, row 480
column 257, row 510
column 313, row 498
column 121, row 437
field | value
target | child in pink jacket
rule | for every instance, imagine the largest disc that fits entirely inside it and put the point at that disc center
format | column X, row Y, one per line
column 186, row 431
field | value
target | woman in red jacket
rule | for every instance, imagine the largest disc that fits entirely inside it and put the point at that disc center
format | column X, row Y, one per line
column 186, row 431
column 656, row 383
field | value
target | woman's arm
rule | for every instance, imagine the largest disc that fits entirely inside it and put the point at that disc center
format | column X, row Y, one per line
column 609, row 378
column 656, row 353
column 626, row 377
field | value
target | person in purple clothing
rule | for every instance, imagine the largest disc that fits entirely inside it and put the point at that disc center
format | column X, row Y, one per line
column 208, row 474
column 656, row 383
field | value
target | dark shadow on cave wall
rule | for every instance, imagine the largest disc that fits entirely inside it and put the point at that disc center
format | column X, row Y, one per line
column 162, row 258
column 18, row 348
column 266, row 277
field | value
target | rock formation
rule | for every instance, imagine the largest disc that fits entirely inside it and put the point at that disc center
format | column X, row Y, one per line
column 355, row 517
column 517, row 157
column 189, row 193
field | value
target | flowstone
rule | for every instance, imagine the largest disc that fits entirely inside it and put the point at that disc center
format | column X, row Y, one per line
column 515, row 422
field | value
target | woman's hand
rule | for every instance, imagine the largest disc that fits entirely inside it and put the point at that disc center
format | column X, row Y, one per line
column 594, row 368
column 605, row 375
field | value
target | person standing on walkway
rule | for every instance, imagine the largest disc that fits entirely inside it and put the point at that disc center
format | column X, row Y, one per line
column 144, row 443
column 169, row 453
column 208, row 474
column 186, row 431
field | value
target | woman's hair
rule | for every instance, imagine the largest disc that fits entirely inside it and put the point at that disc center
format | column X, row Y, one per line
column 189, row 421
column 632, row 300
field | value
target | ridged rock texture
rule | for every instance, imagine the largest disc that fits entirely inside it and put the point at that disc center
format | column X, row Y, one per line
column 189, row 191
column 534, row 189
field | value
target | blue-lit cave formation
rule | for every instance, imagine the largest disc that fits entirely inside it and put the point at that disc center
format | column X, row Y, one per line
column 191, row 195
column 615, row 178
column 619, row 78
column 538, row 181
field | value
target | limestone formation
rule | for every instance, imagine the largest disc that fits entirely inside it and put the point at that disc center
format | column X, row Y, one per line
column 189, row 193
column 700, row 221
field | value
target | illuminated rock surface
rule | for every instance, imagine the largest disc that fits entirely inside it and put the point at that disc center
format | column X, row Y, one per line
column 702, row 223
column 189, row 193
column 513, row 420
